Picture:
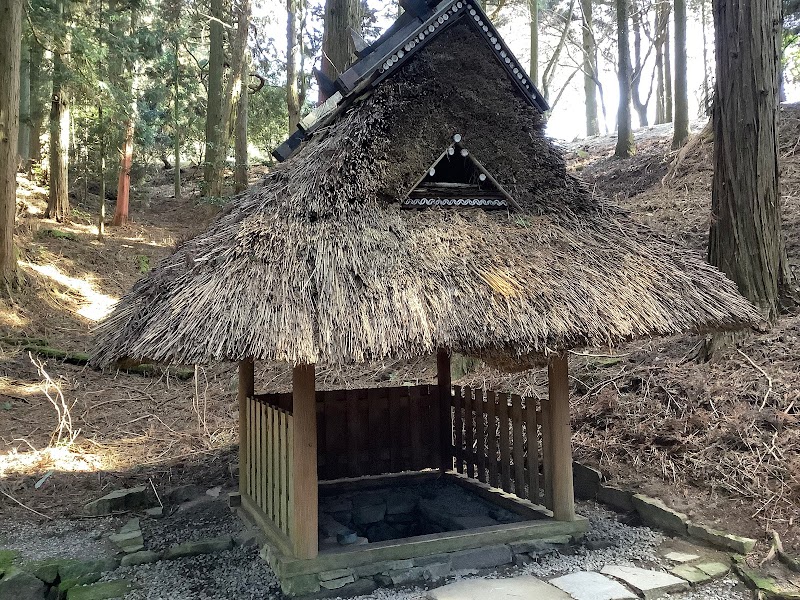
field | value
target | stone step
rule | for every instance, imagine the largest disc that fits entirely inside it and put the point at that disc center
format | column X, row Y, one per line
column 515, row 588
column 648, row 584
column 585, row 585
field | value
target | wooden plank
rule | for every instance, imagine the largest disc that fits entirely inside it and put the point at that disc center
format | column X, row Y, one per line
column 264, row 454
column 375, row 441
column 517, row 450
column 244, row 393
column 480, row 433
column 532, row 457
column 560, row 438
column 459, row 426
column 322, row 425
column 405, row 431
column 274, row 468
column 395, row 435
column 491, row 428
column 547, row 462
column 266, row 474
column 362, row 432
column 290, row 516
column 444, row 381
column 275, row 536
column 417, row 442
column 250, row 443
column 352, row 433
column 285, row 481
column 426, row 545
column 505, row 444
column 469, row 432
column 304, row 479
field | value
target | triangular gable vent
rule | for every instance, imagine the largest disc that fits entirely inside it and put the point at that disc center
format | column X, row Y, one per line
column 456, row 178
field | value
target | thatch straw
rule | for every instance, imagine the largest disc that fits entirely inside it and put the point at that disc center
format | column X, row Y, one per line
column 320, row 264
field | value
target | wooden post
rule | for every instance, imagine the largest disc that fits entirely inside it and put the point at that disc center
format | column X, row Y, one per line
column 560, row 439
column 446, row 425
column 305, row 484
column 246, row 390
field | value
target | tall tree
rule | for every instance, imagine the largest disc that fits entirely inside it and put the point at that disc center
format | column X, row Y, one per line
column 241, row 169
column 234, row 88
column 681, row 128
column 746, row 239
column 126, row 155
column 661, row 41
column 625, row 146
column 10, row 37
column 533, row 11
column 24, row 143
column 589, row 68
column 668, row 100
column 292, row 58
column 216, row 66
column 338, row 49
column 58, row 199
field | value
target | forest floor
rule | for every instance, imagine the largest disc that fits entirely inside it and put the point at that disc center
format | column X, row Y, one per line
column 719, row 440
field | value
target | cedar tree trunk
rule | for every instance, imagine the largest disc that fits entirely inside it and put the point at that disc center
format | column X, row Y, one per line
column 589, row 69
column 681, row 129
column 338, row 50
column 58, row 199
column 746, row 239
column 625, row 145
column 292, row 56
column 216, row 65
column 10, row 36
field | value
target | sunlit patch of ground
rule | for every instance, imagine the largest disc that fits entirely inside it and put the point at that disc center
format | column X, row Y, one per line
column 52, row 458
column 92, row 304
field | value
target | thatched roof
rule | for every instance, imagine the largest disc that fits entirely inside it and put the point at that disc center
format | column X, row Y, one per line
column 319, row 262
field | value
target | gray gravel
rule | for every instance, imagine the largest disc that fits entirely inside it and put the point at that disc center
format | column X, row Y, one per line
column 240, row 574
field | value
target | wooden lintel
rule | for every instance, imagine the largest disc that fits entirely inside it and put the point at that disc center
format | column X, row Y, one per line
column 304, row 516
column 560, row 439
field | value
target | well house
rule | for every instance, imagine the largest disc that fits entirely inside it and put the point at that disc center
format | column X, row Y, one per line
column 420, row 211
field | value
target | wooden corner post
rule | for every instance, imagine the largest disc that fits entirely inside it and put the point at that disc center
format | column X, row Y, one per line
column 304, row 482
column 445, row 421
column 246, row 390
column 560, row 450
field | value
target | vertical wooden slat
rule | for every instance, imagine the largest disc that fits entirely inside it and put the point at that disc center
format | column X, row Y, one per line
column 444, row 380
column 505, row 445
column 560, row 438
column 374, row 439
column 395, row 437
column 480, row 433
column 284, row 471
column 245, row 392
column 290, row 474
column 251, row 441
column 517, row 446
column 547, row 463
column 274, row 469
column 469, row 433
column 352, row 433
column 268, row 458
column 532, row 435
column 491, row 428
column 459, row 426
column 416, row 428
column 304, row 479
column 262, row 455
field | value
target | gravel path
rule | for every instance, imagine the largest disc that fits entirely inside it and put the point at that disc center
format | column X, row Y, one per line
column 239, row 573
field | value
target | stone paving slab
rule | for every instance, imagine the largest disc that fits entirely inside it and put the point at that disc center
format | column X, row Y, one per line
column 515, row 588
column 681, row 557
column 714, row 569
column 592, row 586
column 690, row 574
column 648, row 584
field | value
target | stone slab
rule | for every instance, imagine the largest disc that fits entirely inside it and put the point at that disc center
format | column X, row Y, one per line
column 615, row 497
column 654, row 513
column 140, row 558
column 100, row 591
column 586, row 481
column 516, row 588
column 648, row 584
column 680, row 557
column 690, row 574
column 722, row 539
column 118, row 500
column 210, row 546
column 335, row 574
column 335, row 584
column 714, row 569
column 585, row 585
column 22, row 586
column 481, row 558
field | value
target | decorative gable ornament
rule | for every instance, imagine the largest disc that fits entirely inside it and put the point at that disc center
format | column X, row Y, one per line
column 456, row 178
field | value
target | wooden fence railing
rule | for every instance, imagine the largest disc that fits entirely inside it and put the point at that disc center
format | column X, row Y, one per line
column 270, row 460
column 499, row 438
column 377, row 431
